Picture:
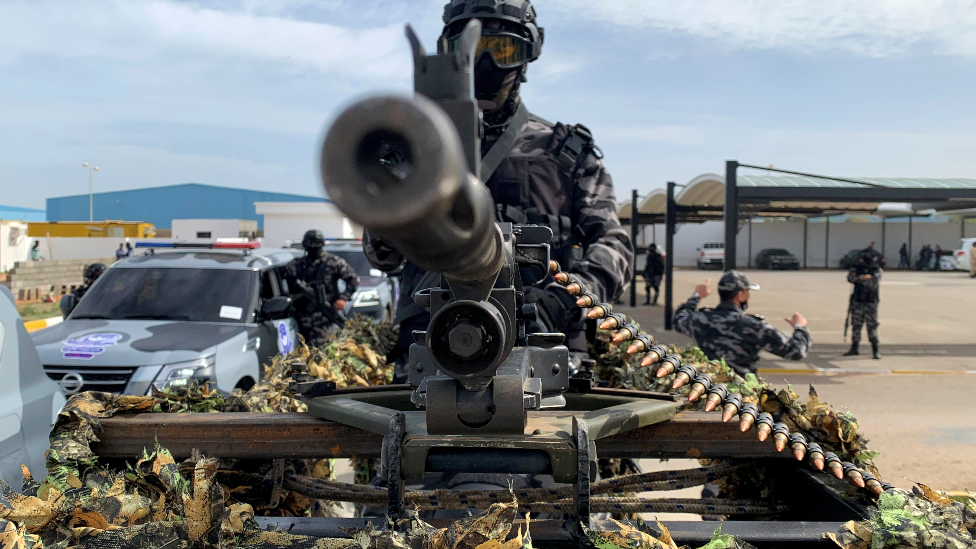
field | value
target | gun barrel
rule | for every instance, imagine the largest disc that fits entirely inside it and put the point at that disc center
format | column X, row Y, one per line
column 396, row 166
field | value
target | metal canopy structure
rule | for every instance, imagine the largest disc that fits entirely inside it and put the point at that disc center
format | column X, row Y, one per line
column 788, row 194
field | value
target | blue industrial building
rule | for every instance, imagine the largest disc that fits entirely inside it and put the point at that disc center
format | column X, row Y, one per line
column 16, row 213
column 161, row 205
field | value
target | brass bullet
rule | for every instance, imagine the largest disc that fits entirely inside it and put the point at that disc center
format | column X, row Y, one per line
column 716, row 395
column 669, row 365
column 561, row 278
column 626, row 333
column 816, row 456
column 872, row 483
column 702, row 384
column 853, row 475
column 834, row 465
column 586, row 300
column 554, row 266
column 654, row 355
column 686, row 372
column 612, row 321
column 747, row 416
column 731, row 406
column 574, row 288
column 781, row 435
column 600, row 310
column 641, row 342
column 798, row 443
column 764, row 426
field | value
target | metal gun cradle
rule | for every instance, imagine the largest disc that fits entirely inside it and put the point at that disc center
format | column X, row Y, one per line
column 488, row 395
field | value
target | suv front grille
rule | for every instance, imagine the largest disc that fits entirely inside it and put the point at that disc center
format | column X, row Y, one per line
column 105, row 379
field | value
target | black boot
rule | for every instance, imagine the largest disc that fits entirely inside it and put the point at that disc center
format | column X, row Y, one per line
column 875, row 351
column 854, row 349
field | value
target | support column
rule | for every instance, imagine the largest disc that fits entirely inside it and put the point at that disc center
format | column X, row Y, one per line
column 962, row 226
column 749, row 259
column 884, row 235
column 827, row 245
column 731, row 212
column 911, row 224
column 670, row 225
column 805, row 228
column 633, row 240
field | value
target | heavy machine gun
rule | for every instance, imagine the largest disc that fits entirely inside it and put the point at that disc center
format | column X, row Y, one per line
column 493, row 394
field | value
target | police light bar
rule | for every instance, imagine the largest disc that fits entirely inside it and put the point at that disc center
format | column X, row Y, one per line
column 203, row 245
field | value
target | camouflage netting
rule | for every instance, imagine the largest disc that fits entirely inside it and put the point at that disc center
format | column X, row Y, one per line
column 154, row 501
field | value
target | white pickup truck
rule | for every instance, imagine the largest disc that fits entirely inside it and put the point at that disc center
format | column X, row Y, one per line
column 711, row 254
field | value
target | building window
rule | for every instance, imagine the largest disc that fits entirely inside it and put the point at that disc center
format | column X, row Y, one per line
column 203, row 235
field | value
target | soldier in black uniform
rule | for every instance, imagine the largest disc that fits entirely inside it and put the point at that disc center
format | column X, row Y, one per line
column 728, row 332
column 653, row 273
column 863, row 309
column 313, row 281
column 70, row 301
column 538, row 173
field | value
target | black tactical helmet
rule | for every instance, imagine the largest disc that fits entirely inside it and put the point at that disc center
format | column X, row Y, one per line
column 93, row 271
column 313, row 239
column 519, row 12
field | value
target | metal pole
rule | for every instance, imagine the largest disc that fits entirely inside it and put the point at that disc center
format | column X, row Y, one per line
column 962, row 226
column 731, row 212
column 911, row 225
column 91, row 207
column 805, row 227
column 884, row 234
column 827, row 245
column 670, row 222
column 633, row 239
column 749, row 259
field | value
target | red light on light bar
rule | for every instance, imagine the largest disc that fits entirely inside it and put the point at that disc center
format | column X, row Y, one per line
column 236, row 245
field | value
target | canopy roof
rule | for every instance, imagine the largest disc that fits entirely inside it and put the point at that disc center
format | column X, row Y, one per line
column 784, row 196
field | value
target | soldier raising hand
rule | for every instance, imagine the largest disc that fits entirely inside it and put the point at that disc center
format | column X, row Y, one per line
column 728, row 332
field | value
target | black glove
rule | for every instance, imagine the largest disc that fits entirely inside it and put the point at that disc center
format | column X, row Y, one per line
column 557, row 308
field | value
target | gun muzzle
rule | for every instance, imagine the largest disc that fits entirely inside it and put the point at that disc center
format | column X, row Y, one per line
column 396, row 166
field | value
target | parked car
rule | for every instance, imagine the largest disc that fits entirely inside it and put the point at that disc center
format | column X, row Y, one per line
column 711, row 254
column 171, row 316
column 777, row 258
column 29, row 401
column 376, row 296
column 961, row 255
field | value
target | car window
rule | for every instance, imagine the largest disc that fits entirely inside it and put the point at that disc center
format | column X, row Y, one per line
column 356, row 259
column 200, row 295
column 269, row 286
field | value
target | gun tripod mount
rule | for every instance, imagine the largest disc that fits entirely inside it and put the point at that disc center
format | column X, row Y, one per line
column 487, row 394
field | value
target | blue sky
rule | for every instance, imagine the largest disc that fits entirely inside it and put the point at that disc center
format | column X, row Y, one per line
column 238, row 92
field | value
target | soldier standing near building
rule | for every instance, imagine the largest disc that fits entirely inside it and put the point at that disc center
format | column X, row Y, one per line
column 70, row 301
column 863, row 309
column 728, row 332
column 313, row 281
column 538, row 173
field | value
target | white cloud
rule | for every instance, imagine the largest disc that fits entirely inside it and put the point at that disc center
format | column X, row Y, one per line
column 143, row 30
column 874, row 28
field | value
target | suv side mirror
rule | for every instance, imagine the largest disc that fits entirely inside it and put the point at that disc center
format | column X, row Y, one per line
column 68, row 304
column 276, row 307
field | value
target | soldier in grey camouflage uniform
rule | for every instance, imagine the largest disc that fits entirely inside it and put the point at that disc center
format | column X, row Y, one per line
column 321, row 271
column 538, row 173
column 728, row 332
column 863, row 309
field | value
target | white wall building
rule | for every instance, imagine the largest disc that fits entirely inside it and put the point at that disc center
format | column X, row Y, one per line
column 14, row 243
column 286, row 222
column 211, row 229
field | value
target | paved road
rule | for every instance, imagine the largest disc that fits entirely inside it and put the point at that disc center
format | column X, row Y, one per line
column 917, row 404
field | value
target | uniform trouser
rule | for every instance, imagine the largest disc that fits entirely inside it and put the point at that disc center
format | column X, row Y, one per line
column 652, row 283
column 315, row 328
column 861, row 314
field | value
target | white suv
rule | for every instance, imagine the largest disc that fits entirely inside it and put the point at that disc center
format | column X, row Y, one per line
column 962, row 254
column 711, row 254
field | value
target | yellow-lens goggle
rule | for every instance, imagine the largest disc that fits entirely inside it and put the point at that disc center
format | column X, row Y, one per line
column 508, row 50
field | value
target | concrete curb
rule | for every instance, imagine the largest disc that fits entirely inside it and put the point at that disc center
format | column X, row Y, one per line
column 35, row 325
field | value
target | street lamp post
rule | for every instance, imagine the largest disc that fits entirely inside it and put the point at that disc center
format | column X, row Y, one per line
column 91, row 207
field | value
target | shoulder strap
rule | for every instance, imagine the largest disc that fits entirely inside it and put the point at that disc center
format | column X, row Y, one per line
column 572, row 150
column 499, row 151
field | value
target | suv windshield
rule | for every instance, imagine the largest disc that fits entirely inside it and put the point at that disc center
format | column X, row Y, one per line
column 198, row 295
column 356, row 259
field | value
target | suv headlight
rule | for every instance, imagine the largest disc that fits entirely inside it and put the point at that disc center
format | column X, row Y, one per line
column 180, row 374
column 369, row 298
